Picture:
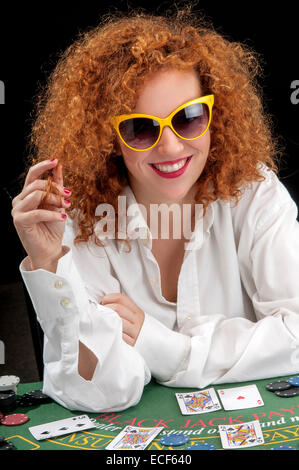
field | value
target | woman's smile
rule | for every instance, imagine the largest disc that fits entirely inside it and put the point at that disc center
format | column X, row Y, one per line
column 172, row 170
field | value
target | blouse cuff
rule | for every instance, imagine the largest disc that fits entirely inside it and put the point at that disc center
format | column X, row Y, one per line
column 65, row 287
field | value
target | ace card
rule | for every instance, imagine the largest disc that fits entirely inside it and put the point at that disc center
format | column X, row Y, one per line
column 238, row 398
column 200, row 401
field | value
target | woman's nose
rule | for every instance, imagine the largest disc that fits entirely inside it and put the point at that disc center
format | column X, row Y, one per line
column 169, row 143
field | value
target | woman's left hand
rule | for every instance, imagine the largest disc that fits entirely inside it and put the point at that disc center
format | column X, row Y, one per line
column 132, row 316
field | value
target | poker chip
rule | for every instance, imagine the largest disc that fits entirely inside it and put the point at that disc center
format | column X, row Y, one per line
column 290, row 392
column 7, row 397
column 24, row 402
column 202, row 446
column 294, row 381
column 8, row 446
column 33, row 398
column 279, row 385
column 14, row 419
column 7, row 400
column 9, row 382
column 37, row 397
column 174, row 440
column 283, row 448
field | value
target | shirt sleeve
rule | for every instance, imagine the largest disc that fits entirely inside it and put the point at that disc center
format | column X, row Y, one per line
column 216, row 349
column 68, row 314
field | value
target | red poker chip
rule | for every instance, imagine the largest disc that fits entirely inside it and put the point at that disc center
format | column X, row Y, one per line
column 14, row 419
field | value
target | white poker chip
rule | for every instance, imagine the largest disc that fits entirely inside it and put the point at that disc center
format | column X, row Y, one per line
column 9, row 382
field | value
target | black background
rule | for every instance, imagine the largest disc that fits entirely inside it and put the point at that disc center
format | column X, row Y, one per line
column 32, row 36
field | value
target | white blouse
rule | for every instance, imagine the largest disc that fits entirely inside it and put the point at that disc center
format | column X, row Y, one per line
column 236, row 317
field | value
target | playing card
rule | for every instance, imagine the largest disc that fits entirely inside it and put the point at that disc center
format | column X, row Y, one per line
column 235, row 436
column 203, row 401
column 60, row 427
column 237, row 398
column 133, row 438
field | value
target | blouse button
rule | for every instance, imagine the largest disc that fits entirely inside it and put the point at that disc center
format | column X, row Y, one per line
column 65, row 301
column 58, row 284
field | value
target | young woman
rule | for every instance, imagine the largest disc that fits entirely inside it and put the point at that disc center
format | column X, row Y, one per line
column 147, row 112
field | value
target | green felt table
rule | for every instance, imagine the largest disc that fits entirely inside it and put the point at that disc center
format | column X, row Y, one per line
column 279, row 418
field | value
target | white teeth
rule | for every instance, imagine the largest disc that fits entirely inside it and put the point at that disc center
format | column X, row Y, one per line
column 171, row 168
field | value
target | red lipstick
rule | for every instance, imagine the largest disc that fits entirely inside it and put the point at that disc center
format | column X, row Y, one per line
column 173, row 174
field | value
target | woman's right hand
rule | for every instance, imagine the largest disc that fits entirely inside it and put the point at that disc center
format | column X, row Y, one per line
column 41, row 229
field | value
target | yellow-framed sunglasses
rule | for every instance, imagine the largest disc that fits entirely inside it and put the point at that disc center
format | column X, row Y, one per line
column 142, row 131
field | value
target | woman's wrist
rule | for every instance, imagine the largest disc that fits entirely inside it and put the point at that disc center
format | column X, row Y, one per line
column 50, row 265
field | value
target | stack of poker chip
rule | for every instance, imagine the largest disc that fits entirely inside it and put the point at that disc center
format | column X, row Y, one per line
column 13, row 401
column 283, row 448
column 36, row 397
column 9, row 382
column 202, row 446
column 174, row 440
column 9, row 401
column 6, row 445
column 8, row 392
column 285, row 388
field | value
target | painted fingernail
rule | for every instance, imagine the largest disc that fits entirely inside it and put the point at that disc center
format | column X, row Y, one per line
column 63, row 216
column 66, row 201
column 52, row 159
column 67, row 191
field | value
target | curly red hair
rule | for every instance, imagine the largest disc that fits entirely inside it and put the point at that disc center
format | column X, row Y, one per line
column 101, row 74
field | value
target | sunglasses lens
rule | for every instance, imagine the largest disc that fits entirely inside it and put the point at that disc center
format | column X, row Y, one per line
column 191, row 121
column 139, row 133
